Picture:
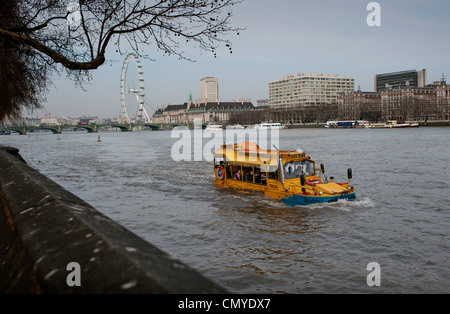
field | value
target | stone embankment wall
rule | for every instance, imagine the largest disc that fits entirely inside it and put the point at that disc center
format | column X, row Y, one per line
column 51, row 241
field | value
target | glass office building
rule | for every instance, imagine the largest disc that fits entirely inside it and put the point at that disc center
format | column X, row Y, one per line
column 395, row 80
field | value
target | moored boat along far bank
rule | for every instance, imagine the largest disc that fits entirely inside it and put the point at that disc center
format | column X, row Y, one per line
column 366, row 124
column 214, row 127
column 392, row 125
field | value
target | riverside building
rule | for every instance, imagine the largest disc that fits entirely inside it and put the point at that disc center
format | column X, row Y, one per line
column 403, row 103
column 443, row 100
column 208, row 109
column 393, row 80
column 360, row 106
column 209, row 90
column 304, row 89
column 407, row 103
column 211, row 112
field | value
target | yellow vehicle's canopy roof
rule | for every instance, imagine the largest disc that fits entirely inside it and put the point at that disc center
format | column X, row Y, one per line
column 251, row 153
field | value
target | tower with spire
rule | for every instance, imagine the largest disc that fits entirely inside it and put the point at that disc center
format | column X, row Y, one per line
column 443, row 82
column 190, row 101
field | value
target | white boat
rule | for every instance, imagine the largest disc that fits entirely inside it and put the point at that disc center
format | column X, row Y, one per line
column 235, row 126
column 347, row 124
column 213, row 127
column 392, row 124
column 330, row 124
column 268, row 126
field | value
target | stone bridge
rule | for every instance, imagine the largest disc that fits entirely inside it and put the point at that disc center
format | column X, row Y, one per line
column 90, row 128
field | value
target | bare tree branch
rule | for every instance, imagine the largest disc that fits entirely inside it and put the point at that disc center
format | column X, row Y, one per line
column 39, row 35
column 162, row 23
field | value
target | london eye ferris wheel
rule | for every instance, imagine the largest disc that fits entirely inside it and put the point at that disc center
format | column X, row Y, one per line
column 132, row 90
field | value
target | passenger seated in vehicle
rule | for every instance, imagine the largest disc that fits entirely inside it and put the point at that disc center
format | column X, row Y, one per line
column 257, row 176
column 290, row 171
column 263, row 178
column 249, row 176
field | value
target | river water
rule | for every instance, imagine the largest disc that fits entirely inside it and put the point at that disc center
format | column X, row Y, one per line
column 252, row 244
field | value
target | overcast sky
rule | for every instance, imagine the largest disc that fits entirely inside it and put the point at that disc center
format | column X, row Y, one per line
column 282, row 37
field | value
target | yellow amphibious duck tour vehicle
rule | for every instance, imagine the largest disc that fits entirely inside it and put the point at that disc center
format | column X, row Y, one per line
column 289, row 176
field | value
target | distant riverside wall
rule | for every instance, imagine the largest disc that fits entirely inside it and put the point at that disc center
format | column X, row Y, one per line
column 46, row 232
column 435, row 123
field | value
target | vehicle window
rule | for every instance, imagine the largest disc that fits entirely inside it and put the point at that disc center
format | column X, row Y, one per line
column 260, row 176
column 247, row 174
column 273, row 175
column 296, row 169
column 236, row 173
column 229, row 176
column 290, row 171
column 309, row 168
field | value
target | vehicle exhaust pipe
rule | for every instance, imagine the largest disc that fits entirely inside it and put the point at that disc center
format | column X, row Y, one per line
column 324, row 177
column 281, row 169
